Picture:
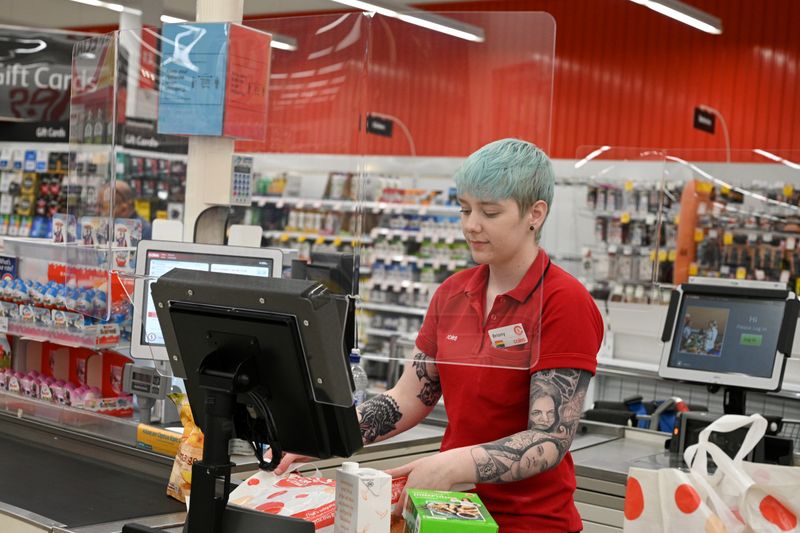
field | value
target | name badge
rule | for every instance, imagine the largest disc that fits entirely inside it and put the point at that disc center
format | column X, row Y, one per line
column 508, row 336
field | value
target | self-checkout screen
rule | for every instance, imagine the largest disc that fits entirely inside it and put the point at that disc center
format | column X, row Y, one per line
column 727, row 335
column 160, row 262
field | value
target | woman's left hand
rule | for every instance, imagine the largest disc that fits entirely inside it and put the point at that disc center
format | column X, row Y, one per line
column 435, row 472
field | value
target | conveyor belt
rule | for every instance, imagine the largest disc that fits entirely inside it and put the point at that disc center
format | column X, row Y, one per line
column 76, row 491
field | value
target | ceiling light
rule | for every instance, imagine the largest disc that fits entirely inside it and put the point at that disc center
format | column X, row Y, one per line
column 685, row 13
column 119, row 8
column 592, row 155
column 419, row 17
column 779, row 159
column 169, row 19
column 281, row 42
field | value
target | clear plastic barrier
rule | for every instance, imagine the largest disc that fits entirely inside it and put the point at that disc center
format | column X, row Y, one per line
column 352, row 172
column 619, row 244
column 387, row 111
column 739, row 219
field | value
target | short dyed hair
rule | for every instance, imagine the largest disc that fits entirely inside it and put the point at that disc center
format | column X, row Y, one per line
column 508, row 168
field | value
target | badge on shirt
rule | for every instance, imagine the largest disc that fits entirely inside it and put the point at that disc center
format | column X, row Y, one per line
column 508, row 336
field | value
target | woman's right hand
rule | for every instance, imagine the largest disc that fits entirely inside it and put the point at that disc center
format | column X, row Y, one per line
column 289, row 459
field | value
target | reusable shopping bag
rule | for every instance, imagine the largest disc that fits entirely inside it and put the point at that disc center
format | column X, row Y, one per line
column 739, row 497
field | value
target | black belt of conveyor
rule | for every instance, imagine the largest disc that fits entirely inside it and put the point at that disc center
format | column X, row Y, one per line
column 76, row 491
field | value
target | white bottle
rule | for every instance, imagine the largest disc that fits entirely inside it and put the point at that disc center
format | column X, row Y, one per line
column 360, row 379
column 363, row 500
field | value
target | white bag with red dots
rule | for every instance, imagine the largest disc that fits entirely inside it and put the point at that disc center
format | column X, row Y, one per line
column 307, row 498
column 741, row 497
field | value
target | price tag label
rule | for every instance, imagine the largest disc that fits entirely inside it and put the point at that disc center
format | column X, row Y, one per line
column 791, row 243
column 629, row 185
column 788, row 190
column 727, row 238
column 724, row 270
column 317, row 205
column 652, row 255
column 725, row 189
column 320, row 240
column 677, row 219
column 699, row 235
column 671, row 255
column 300, row 205
column 785, row 275
column 337, row 242
column 662, row 256
column 612, row 248
column 693, row 269
column 704, row 187
column 741, row 273
column 712, row 233
column 302, row 238
column 625, row 218
column 284, row 237
column 760, row 276
column 650, row 219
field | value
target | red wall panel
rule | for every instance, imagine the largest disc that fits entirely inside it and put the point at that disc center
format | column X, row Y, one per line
column 628, row 76
column 624, row 76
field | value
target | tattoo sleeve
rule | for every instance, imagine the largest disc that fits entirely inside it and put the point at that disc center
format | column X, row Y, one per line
column 556, row 400
column 378, row 417
column 428, row 375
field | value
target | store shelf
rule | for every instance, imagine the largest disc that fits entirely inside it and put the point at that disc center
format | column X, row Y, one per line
column 451, row 264
column 350, row 206
column 389, row 308
column 401, row 286
column 303, row 236
column 418, row 236
column 72, row 254
column 635, row 216
column 389, row 333
column 90, row 339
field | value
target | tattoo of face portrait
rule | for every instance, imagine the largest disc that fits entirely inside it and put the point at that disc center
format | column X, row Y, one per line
column 556, row 400
column 428, row 375
column 378, row 417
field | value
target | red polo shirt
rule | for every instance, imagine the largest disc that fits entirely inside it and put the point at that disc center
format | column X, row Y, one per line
column 563, row 328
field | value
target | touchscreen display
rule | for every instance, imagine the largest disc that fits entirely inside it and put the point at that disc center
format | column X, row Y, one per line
column 727, row 335
column 161, row 262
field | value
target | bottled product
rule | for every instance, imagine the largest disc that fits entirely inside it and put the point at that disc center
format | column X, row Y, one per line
column 359, row 377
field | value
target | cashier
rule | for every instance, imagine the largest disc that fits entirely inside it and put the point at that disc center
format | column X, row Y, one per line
column 513, row 406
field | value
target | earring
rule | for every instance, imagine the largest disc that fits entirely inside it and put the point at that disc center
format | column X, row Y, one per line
column 533, row 228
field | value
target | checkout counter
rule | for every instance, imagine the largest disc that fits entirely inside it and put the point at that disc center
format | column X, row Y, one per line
column 77, row 482
column 70, row 471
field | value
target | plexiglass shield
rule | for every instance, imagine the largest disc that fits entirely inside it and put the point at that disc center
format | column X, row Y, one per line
column 351, row 175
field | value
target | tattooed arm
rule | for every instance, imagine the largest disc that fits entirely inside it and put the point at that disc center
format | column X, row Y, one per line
column 556, row 400
column 403, row 406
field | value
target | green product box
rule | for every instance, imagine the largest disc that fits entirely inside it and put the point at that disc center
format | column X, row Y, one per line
column 433, row 511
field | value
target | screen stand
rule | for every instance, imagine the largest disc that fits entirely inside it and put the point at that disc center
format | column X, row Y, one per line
column 223, row 376
column 733, row 401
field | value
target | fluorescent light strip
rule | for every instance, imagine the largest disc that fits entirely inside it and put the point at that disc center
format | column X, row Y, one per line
column 442, row 28
column 119, row 8
column 421, row 18
column 592, row 155
column 281, row 42
column 169, row 19
column 368, row 6
column 685, row 13
column 770, row 155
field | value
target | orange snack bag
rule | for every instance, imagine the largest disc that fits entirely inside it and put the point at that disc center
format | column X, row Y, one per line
column 189, row 451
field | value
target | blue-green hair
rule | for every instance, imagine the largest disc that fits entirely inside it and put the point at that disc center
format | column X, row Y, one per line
column 508, row 168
